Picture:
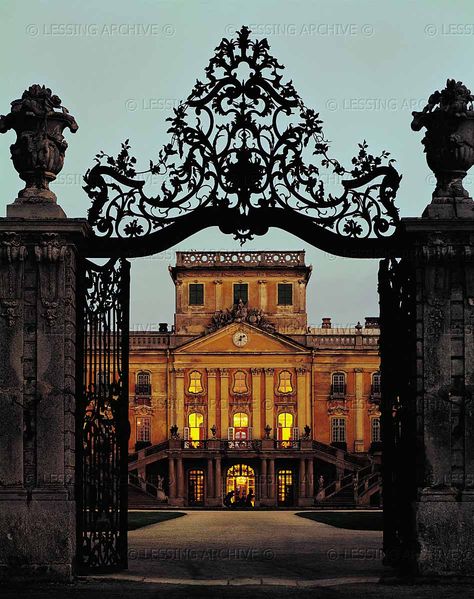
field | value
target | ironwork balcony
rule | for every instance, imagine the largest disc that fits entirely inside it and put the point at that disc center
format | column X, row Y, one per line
column 143, row 389
column 238, row 444
column 338, row 391
column 198, row 444
column 290, row 444
column 375, row 394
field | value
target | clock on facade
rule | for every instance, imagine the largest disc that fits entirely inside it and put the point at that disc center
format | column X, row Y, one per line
column 240, row 338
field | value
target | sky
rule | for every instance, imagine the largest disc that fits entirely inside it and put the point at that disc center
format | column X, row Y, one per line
column 120, row 67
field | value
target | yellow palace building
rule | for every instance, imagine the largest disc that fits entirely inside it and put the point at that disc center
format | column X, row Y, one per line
column 241, row 402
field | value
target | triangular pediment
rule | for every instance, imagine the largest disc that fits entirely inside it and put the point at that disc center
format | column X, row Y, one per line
column 242, row 338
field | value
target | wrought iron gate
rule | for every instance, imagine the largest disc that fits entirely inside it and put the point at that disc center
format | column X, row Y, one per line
column 102, row 430
column 398, row 407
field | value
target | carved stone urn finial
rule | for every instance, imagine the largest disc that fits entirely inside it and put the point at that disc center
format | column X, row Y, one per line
column 38, row 152
column 449, row 146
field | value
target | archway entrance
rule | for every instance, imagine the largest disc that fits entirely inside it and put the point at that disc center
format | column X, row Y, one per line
column 241, row 481
column 238, row 160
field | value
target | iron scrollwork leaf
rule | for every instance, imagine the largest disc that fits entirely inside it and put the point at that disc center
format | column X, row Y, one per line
column 243, row 145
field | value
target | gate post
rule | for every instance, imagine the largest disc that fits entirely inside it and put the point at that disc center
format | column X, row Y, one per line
column 38, row 260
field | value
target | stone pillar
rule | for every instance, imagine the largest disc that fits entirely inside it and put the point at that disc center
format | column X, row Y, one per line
column 358, row 411
column 171, row 479
column 262, row 295
column 301, row 399
column 218, row 296
column 211, row 398
column 302, row 480
column 224, row 403
column 218, row 482
column 256, row 403
column 180, row 481
column 263, row 479
column 309, row 478
column 271, row 481
column 210, row 479
column 269, row 398
column 179, row 400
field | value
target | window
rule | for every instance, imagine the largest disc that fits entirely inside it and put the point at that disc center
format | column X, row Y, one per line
column 143, row 386
column 376, row 383
column 285, row 294
column 196, row 294
column 195, row 382
column 286, row 430
column 241, row 292
column 240, row 432
column 284, row 382
column 375, row 427
column 143, row 428
column 240, row 382
column 338, row 383
column 240, row 420
column 338, row 430
column 196, row 424
column 196, row 487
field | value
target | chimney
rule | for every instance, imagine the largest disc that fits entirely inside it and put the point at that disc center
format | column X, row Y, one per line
column 326, row 323
column 372, row 322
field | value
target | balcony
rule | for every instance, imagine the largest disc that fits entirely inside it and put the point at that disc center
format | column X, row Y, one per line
column 375, row 394
column 338, row 391
column 143, row 395
column 290, row 444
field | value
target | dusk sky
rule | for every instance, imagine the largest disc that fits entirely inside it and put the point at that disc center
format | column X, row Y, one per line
column 120, row 67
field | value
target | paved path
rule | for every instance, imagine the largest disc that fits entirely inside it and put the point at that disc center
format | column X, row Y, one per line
column 274, row 547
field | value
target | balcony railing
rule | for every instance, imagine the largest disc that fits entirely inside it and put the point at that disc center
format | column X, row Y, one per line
column 143, row 389
column 338, row 391
column 291, row 444
column 251, row 444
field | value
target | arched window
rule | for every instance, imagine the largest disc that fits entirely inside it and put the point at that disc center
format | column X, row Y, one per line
column 376, row 383
column 375, row 428
column 143, row 386
column 195, row 382
column 338, row 383
column 286, row 430
column 195, row 430
column 284, row 382
column 240, row 420
column 240, row 382
column 240, row 432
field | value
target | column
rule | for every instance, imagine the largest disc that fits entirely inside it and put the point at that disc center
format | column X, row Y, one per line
column 179, row 400
column 256, row 403
column 211, row 399
column 359, row 410
column 271, row 480
column 263, row 479
column 218, row 481
column 301, row 398
column 180, row 476
column 171, row 478
column 224, row 381
column 210, row 479
column 309, row 477
column 302, row 479
column 262, row 295
column 218, row 294
column 269, row 398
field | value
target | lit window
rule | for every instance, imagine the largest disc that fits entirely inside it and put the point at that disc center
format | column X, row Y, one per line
column 285, row 427
column 196, row 487
column 284, row 382
column 376, row 383
column 375, row 426
column 195, row 382
column 338, row 430
column 241, row 292
column 196, row 294
column 143, row 428
column 285, row 294
column 196, row 424
column 241, row 420
column 240, row 382
column 338, row 383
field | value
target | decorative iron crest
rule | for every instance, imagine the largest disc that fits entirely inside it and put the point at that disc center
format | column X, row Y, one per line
column 239, row 151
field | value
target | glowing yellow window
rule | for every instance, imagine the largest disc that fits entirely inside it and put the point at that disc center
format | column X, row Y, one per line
column 241, row 420
column 240, row 382
column 284, row 382
column 285, row 426
column 195, row 382
column 196, row 424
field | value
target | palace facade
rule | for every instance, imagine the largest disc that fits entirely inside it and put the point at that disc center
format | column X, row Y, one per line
column 240, row 400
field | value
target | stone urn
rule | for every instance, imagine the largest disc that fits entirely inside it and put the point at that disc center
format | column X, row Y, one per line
column 38, row 152
column 449, row 139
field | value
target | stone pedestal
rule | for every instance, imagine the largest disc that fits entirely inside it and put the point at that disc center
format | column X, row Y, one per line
column 443, row 510
column 38, row 264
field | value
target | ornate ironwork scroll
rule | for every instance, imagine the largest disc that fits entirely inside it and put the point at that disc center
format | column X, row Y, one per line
column 102, row 417
column 245, row 154
column 398, row 407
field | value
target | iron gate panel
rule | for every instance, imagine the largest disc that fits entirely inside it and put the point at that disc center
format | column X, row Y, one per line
column 103, row 428
column 398, row 404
